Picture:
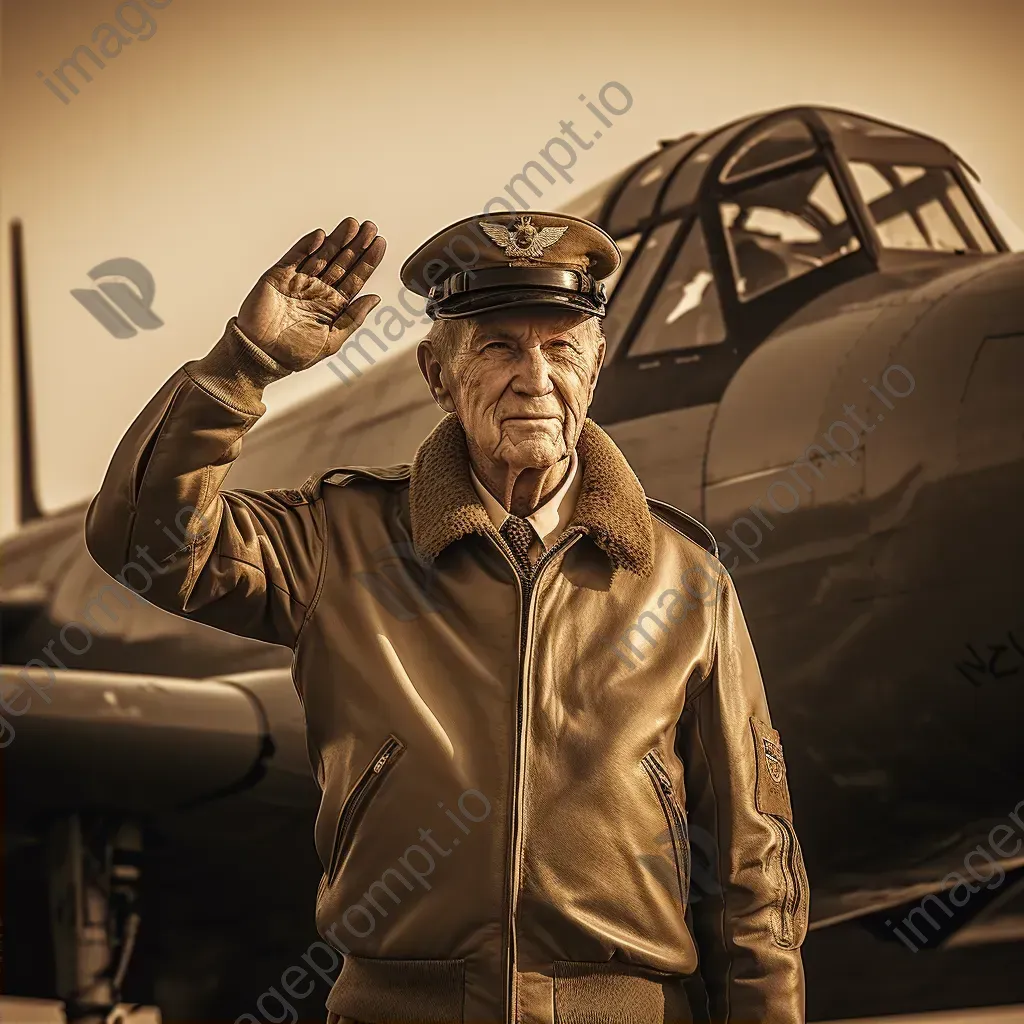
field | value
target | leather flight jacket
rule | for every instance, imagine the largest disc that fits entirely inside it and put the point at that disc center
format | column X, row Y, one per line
column 563, row 809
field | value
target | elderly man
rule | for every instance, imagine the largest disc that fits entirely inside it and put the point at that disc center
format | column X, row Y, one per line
column 507, row 811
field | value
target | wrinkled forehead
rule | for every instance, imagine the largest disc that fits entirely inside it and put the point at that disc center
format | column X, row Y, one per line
column 529, row 324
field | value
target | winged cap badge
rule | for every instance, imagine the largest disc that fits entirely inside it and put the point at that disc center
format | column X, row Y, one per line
column 523, row 240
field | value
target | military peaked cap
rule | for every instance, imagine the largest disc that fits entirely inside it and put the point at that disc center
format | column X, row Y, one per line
column 506, row 260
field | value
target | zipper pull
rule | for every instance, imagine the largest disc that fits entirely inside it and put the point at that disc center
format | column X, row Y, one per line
column 383, row 759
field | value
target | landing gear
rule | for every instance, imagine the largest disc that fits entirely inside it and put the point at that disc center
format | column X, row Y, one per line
column 95, row 875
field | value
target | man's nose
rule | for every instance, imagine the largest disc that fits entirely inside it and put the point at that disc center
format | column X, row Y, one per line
column 532, row 376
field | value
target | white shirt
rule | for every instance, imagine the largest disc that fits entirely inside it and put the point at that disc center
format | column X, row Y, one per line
column 550, row 519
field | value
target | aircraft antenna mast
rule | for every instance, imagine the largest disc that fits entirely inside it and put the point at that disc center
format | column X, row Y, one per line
column 28, row 502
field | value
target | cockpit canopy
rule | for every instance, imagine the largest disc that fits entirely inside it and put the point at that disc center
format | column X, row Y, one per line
column 766, row 212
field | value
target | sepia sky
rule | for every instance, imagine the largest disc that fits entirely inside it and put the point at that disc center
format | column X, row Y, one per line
column 206, row 149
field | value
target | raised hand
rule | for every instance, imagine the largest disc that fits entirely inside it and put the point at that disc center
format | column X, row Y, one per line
column 305, row 306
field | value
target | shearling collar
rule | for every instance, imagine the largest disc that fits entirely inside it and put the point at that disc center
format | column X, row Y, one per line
column 611, row 507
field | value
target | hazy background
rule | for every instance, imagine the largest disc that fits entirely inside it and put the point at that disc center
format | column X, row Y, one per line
column 206, row 150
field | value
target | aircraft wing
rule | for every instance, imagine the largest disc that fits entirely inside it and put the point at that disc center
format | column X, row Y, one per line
column 968, row 886
column 128, row 742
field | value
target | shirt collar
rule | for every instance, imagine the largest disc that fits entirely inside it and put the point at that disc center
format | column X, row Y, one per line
column 551, row 518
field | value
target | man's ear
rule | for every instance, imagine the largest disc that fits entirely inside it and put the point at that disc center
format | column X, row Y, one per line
column 602, row 348
column 430, row 367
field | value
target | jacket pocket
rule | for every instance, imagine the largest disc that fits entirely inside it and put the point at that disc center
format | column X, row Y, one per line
column 676, row 819
column 772, row 799
column 358, row 800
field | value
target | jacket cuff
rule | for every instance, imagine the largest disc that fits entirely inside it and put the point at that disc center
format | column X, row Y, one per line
column 235, row 371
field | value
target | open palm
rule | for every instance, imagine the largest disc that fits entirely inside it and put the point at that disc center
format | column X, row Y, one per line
column 307, row 305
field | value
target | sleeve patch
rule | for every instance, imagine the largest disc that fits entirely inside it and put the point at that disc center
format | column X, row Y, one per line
column 772, row 794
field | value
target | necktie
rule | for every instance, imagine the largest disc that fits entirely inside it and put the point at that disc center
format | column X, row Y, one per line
column 518, row 534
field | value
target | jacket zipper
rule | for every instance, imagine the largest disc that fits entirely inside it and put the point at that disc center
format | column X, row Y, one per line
column 525, row 635
column 368, row 781
column 676, row 820
column 792, row 889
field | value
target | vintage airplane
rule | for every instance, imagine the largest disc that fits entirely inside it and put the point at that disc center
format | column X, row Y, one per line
column 815, row 346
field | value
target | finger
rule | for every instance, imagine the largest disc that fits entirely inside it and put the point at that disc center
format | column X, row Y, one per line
column 351, row 284
column 352, row 317
column 319, row 258
column 302, row 248
column 341, row 263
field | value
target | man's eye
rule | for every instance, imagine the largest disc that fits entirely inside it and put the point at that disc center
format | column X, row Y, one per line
column 495, row 344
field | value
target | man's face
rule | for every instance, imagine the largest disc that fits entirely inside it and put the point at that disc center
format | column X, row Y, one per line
column 521, row 384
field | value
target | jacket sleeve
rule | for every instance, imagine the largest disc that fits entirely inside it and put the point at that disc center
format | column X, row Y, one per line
column 245, row 561
column 750, row 902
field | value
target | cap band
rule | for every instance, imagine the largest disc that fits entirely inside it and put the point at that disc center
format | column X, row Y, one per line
column 544, row 279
